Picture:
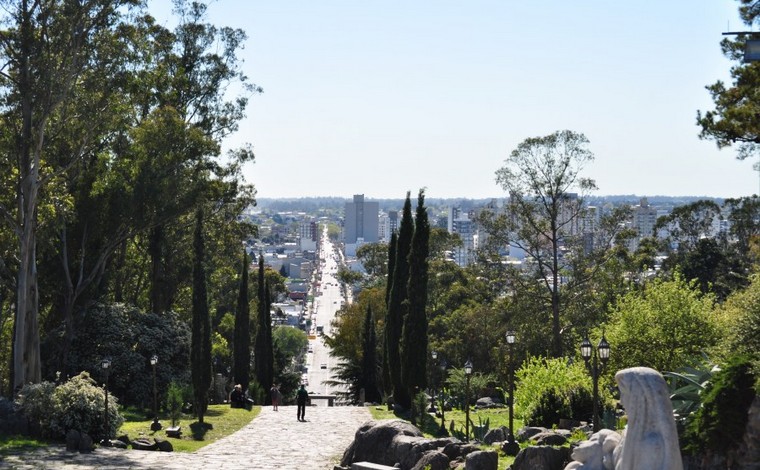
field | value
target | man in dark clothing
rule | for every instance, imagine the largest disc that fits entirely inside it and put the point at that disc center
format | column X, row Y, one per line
column 301, row 398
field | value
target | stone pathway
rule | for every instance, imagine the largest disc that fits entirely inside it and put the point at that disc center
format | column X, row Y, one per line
column 275, row 440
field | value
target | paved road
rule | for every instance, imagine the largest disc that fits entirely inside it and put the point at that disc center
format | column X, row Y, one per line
column 275, row 440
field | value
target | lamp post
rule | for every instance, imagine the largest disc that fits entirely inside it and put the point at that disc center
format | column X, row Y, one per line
column 434, row 355
column 443, row 396
column 602, row 354
column 106, row 365
column 155, row 426
column 511, row 448
column 467, row 374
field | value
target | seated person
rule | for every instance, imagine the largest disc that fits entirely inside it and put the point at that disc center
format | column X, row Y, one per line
column 237, row 398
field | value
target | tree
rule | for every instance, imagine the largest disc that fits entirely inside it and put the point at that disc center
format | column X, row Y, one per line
column 415, row 329
column 374, row 258
column 663, row 326
column 542, row 218
column 735, row 120
column 200, row 343
column 394, row 320
column 369, row 359
column 263, row 354
column 49, row 50
column 242, row 341
column 386, row 368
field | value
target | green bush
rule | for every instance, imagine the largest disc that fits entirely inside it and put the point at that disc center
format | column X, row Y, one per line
column 36, row 402
column 551, row 406
column 77, row 404
column 542, row 382
column 175, row 399
column 718, row 426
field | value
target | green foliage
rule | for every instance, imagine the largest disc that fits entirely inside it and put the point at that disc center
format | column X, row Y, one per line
column 457, row 385
column 414, row 334
column 662, row 327
column 740, row 321
column 76, row 404
column 687, row 385
column 242, row 332
column 720, row 423
column 175, row 400
column 200, row 346
column 130, row 337
column 550, row 380
column 551, row 406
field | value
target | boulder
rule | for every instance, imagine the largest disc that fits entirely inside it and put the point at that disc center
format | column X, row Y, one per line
column 372, row 442
column 432, row 460
column 164, row 446
column 85, row 443
column 143, row 444
column 407, row 450
column 549, row 438
column 529, row 431
column 488, row 402
column 482, row 460
column 496, row 435
column 118, row 444
column 541, row 458
column 123, row 438
column 72, row 440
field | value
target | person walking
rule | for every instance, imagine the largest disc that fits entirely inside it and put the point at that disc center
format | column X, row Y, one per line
column 302, row 397
column 274, row 393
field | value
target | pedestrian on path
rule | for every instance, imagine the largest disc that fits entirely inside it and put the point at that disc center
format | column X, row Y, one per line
column 301, row 397
column 274, row 392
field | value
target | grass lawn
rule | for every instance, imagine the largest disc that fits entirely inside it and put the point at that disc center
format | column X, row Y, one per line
column 218, row 422
column 431, row 426
column 16, row 444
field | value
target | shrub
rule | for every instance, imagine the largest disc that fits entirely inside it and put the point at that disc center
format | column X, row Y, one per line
column 719, row 425
column 175, row 399
column 78, row 404
column 36, row 403
column 551, row 406
column 569, row 384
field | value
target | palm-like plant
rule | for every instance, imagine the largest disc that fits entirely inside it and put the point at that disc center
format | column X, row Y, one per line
column 687, row 384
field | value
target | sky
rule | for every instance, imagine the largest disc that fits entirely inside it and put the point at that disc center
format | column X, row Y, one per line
column 384, row 97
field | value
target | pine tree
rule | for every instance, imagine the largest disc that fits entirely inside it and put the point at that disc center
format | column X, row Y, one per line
column 200, row 347
column 397, row 297
column 387, row 384
column 369, row 359
column 414, row 335
column 242, row 334
column 269, row 345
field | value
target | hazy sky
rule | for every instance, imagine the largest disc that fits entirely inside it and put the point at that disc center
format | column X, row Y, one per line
column 381, row 97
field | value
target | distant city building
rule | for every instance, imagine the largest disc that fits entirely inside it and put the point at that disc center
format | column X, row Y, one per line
column 459, row 222
column 360, row 224
column 388, row 223
column 307, row 234
column 643, row 222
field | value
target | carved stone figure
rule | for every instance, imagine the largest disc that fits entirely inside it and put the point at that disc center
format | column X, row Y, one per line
column 650, row 440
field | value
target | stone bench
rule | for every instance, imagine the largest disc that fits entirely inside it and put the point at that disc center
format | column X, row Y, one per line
column 370, row 466
column 330, row 398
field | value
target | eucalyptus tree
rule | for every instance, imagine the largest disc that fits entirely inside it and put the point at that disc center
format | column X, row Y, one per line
column 50, row 52
column 543, row 215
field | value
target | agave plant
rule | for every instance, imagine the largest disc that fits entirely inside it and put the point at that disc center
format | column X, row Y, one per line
column 687, row 384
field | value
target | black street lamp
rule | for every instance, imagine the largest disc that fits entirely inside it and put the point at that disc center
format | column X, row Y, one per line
column 155, row 425
column 512, row 447
column 434, row 355
column 602, row 354
column 106, row 365
column 443, row 396
column 467, row 374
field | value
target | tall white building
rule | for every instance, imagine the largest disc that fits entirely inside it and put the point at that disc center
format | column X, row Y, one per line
column 361, row 220
column 644, row 220
column 460, row 223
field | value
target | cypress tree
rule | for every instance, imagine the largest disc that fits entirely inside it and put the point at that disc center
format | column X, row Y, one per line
column 369, row 359
column 200, row 347
column 414, row 335
column 242, row 335
column 263, row 355
column 387, row 384
column 396, row 299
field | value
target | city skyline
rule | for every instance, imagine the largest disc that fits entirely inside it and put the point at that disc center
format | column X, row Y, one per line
column 380, row 99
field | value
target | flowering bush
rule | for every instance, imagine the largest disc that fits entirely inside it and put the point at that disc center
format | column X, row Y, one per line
column 78, row 404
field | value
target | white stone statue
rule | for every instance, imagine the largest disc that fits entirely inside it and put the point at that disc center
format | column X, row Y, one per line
column 650, row 440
